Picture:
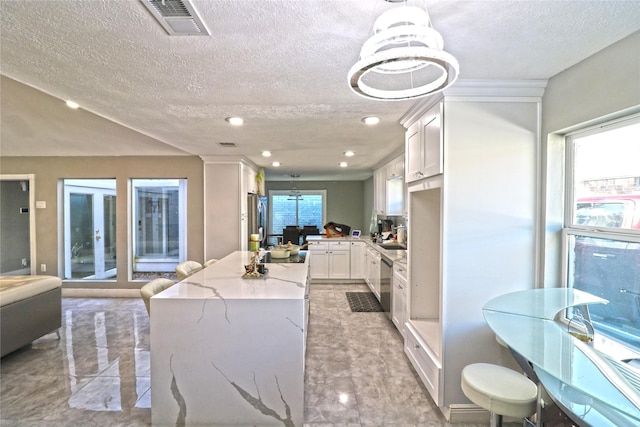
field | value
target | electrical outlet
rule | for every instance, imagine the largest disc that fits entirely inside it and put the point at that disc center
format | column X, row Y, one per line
column 43, row 268
column 24, row 262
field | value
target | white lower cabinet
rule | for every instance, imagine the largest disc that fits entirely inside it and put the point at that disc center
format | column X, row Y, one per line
column 372, row 271
column 424, row 362
column 399, row 299
column 339, row 262
column 330, row 260
column 319, row 261
column 358, row 251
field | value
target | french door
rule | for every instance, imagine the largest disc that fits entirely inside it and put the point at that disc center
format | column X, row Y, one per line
column 89, row 229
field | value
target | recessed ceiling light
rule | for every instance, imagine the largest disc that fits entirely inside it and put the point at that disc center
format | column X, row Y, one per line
column 371, row 120
column 235, row 121
column 344, row 164
column 266, row 153
column 72, row 104
column 349, row 153
column 275, row 164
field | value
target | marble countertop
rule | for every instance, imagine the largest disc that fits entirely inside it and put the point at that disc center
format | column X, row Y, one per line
column 230, row 351
column 224, row 280
column 393, row 255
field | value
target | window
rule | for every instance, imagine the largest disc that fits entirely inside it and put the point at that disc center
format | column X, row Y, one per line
column 602, row 224
column 89, row 229
column 298, row 207
column 159, row 224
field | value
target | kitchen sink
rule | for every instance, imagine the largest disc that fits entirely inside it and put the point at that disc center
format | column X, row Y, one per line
column 392, row 246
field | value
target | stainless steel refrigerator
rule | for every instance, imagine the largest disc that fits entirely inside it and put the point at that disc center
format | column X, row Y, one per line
column 257, row 217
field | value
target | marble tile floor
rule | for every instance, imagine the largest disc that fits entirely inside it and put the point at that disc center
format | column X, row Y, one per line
column 98, row 373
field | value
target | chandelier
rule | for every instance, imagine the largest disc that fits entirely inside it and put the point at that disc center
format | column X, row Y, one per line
column 294, row 194
column 403, row 59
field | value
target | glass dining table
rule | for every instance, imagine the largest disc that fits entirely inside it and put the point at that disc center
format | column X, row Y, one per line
column 590, row 387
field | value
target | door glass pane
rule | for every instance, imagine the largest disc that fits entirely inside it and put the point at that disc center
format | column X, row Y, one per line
column 82, row 248
column 89, row 229
column 159, row 238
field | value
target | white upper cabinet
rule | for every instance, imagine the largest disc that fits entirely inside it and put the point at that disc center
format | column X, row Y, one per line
column 424, row 141
column 249, row 180
column 395, row 167
column 379, row 184
column 389, row 187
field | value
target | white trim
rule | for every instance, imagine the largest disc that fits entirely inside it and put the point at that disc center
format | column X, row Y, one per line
column 21, row 272
column 229, row 160
column 100, row 293
column 540, row 203
column 467, row 413
column 181, row 184
column 480, row 91
column 497, row 88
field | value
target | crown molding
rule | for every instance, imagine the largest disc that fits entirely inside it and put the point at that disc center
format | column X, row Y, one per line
column 229, row 160
column 486, row 90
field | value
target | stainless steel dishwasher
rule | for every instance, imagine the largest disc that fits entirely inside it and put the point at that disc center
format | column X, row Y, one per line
column 386, row 274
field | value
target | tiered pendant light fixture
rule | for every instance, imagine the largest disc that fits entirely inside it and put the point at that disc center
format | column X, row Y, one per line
column 404, row 58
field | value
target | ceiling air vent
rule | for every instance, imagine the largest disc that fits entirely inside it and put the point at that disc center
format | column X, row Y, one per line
column 227, row 144
column 177, row 17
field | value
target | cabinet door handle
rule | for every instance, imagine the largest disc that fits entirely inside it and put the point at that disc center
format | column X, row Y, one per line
column 416, row 346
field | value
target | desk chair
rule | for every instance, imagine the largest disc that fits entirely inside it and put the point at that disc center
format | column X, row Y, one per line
column 309, row 230
column 290, row 234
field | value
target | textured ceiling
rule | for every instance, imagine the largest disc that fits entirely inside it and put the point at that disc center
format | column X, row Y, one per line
column 281, row 64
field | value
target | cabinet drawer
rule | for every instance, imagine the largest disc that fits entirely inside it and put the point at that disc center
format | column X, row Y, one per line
column 339, row 246
column 318, row 246
column 428, row 369
column 400, row 271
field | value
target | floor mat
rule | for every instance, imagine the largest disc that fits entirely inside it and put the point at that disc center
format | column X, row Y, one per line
column 362, row 302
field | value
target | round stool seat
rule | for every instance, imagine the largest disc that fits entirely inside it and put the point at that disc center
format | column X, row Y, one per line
column 499, row 390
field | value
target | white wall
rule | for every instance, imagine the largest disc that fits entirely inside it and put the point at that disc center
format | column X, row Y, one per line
column 489, row 224
column 600, row 88
column 221, row 209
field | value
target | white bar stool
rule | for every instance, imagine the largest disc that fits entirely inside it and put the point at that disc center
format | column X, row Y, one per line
column 499, row 390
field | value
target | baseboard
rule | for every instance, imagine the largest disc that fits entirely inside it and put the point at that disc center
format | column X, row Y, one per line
column 100, row 293
column 21, row 272
column 337, row 281
column 467, row 414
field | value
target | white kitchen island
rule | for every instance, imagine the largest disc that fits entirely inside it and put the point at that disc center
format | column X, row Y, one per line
column 230, row 351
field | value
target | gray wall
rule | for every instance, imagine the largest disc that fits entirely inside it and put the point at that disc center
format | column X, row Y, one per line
column 368, row 207
column 345, row 199
column 602, row 87
column 14, row 227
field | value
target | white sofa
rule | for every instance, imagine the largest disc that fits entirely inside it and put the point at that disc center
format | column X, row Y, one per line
column 30, row 307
